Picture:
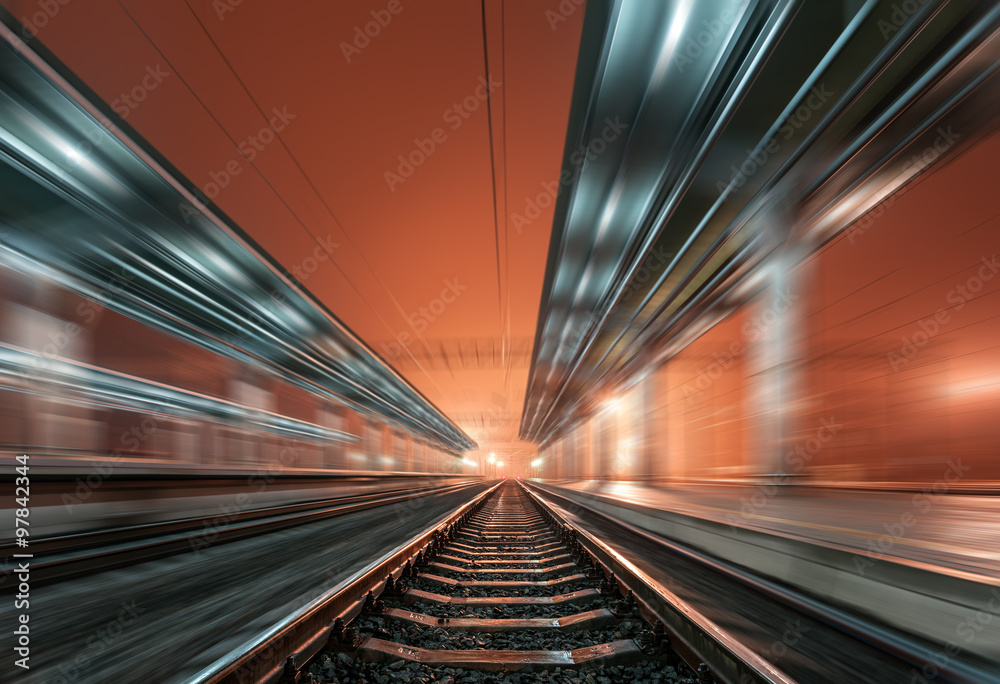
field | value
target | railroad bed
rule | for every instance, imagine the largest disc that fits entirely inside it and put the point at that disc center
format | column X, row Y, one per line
column 500, row 596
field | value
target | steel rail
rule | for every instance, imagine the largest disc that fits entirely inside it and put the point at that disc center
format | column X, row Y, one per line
column 694, row 636
column 899, row 646
column 128, row 546
column 288, row 645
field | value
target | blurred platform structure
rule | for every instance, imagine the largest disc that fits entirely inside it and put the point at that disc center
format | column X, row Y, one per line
column 763, row 326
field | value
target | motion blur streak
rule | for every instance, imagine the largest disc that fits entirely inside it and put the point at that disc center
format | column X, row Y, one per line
column 724, row 271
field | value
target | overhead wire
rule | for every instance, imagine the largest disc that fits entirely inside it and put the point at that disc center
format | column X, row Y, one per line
column 270, row 185
column 493, row 176
column 506, row 204
column 225, row 132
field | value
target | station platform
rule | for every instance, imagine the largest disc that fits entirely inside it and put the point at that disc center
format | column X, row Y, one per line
column 923, row 564
column 943, row 532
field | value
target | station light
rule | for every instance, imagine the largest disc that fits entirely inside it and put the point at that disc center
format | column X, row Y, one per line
column 612, row 404
column 536, row 463
column 492, row 458
column 500, row 464
column 468, row 462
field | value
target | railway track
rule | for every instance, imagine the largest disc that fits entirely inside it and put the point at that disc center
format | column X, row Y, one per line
column 72, row 556
column 504, row 589
column 499, row 591
column 502, row 593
